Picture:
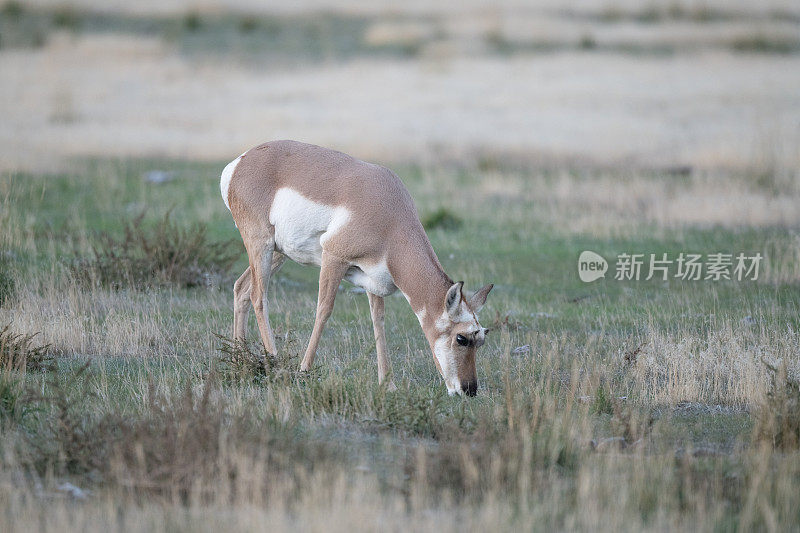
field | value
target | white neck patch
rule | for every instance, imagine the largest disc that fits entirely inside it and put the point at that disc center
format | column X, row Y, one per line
column 447, row 362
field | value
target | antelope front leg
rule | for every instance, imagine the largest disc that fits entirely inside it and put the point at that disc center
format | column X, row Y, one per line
column 377, row 313
column 331, row 273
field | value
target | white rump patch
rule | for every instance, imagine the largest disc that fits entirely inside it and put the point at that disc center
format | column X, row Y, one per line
column 225, row 179
column 302, row 226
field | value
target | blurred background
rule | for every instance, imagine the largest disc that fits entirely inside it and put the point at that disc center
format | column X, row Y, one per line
column 674, row 85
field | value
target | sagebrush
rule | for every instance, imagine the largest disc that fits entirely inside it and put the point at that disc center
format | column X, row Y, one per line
column 162, row 253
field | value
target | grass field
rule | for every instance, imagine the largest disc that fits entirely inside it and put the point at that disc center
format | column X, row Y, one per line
column 613, row 405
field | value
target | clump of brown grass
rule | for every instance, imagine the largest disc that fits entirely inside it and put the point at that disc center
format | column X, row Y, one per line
column 778, row 420
column 242, row 361
column 67, row 440
column 19, row 352
column 161, row 254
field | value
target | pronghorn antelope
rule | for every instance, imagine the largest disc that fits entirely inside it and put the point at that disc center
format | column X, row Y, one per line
column 356, row 221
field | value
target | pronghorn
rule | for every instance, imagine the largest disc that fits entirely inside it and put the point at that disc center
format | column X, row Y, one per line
column 356, row 221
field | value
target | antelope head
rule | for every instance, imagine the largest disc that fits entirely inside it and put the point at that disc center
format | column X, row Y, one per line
column 456, row 337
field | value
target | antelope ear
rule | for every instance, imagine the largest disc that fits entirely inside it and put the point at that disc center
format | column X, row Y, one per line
column 452, row 300
column 479, row 298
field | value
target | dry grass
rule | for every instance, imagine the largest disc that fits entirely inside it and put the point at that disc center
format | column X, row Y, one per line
column 619, row 203
column 19, row 352
column 77, row 320
column 721, row 367
column 779, row 414
column 201, row 454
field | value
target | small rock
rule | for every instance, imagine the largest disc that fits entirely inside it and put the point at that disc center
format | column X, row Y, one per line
column 159, row 176
column 635, row 444
column 610, row 443
column 706, row 452
column 72, row 491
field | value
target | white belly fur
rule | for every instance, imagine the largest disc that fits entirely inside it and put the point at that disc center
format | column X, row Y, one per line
column 301, row 228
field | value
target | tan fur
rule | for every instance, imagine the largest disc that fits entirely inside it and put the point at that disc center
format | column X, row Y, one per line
column 384, row 226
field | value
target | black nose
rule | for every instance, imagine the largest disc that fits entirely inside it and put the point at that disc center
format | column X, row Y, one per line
column 470, row 387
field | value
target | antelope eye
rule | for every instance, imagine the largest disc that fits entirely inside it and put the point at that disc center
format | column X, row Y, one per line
column 462, row 340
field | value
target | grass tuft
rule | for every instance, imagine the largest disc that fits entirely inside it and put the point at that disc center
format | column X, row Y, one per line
column 778, row 421
column 603, row 403
column 163, row 254
column 18, row 352
column 242, row 362
column 419, row 412
column 442, row 218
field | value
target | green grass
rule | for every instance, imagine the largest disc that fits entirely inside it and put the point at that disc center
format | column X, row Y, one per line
column 149, row 408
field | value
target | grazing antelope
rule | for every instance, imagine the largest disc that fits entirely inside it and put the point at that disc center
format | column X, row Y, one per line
column 356, row 221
